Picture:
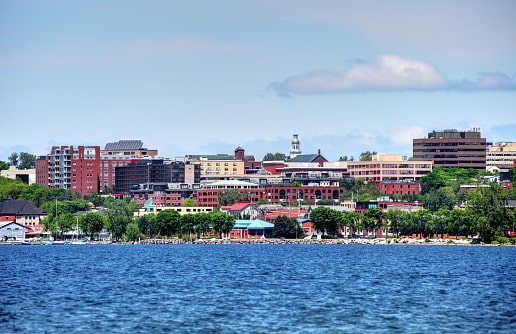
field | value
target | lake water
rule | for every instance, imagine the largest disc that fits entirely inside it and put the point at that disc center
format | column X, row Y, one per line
column 257, row 289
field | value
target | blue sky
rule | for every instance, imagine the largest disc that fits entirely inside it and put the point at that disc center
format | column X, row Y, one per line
column 196, row 77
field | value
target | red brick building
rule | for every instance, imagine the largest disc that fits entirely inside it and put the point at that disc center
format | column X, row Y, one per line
column 68, row 167
column 399, row 187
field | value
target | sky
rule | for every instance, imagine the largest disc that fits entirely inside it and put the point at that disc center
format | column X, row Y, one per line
column 204, row 77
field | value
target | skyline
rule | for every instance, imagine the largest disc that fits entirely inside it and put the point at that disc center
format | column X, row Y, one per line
column 346, row 77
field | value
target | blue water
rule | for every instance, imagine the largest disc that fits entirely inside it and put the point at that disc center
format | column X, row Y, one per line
column 257, row 289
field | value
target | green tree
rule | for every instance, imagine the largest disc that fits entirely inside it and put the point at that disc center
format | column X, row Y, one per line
column 396, row 219
column 492, row 217
column 92, row 223
column 4, row 165
column 202, row 223
column 222, row 222
column 188, row 223
column 373, row 219
column 443, row 197
column 420, row 219
column 132, row 232
column 326, row 220
column 351, row 219
column 147, row 225
column 274, row 157
column 367, row 156
column 188, row 202
column 26, row 161
column 168, row 222
column 285, row 227
column 13, row 159
column 11, row 188
column 230, row 197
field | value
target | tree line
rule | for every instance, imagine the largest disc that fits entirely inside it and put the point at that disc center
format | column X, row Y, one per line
column 483, row 212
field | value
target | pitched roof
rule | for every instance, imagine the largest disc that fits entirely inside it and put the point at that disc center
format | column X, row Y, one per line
column 304, row 158
column 16, row 207
column 124, row 145
column 259, row 224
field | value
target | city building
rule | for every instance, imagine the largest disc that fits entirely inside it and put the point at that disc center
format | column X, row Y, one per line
column 501, row 155
column 118, row 154
column 218, row 165
column 242, row 209
column 155, row 209
column 389, row 167
column 152, row 174
column 27, row 176
column 404, row 187
column 452, row 148
column 251, row 166
column 74, row 168
column 22, row 212
column 208, row 194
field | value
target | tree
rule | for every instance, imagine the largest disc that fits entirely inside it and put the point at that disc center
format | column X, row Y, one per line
column 188, row 202
column 274, row 157
column 4, row 165
column 396, row 219
column 351, row 219
column 147, row 225
column 188, row 223
column 13, row 159
column 366, row 156
column 230, row 197
column 222, row 222
column 26, row 161
column 202, row 223
column 132, row 232
column 285, row 227
column 326, row 220
column 343, row 158
column 92, row 223
column 443, row 197
column 373, row 219
column 168, row 222
column 420, row 219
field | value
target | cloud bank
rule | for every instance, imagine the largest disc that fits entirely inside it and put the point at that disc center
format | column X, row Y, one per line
column 387, row 73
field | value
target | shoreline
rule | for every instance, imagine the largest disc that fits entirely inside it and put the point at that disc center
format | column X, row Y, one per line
column 273, row 241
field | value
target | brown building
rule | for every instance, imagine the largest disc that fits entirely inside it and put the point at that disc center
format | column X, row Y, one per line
column 117, row 154
column 452, row 148
column 68, row 167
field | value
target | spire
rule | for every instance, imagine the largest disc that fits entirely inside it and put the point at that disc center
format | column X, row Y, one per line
column 295, row 147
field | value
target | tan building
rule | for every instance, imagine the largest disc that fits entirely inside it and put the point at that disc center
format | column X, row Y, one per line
column 154, row 209
column 501, row 155
column 218, row 164
column 26, row 175
column 389, row 167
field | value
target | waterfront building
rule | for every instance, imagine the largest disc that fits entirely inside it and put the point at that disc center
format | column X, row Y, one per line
column 74, row 168
column 155, row 209
column 241, row 209
column 452, row 148
column 23, row 212
column 389, row 167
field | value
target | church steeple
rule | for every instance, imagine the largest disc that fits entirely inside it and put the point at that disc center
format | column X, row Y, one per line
column 295, row 148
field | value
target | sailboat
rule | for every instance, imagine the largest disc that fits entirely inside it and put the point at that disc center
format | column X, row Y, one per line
column 76, row 240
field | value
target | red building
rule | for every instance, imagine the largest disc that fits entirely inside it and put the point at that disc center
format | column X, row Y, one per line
column 68, row 167
column 399, row 187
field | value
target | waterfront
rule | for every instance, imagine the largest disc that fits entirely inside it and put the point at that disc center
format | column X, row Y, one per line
column 253, row 288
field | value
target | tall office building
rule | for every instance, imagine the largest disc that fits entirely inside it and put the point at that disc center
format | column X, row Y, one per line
column 452, row 148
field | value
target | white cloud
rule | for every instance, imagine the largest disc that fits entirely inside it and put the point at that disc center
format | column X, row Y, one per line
column 387, row 73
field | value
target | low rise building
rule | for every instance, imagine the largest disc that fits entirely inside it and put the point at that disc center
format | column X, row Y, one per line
column 27, row 176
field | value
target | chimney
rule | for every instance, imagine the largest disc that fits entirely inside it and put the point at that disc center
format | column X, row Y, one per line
column 318, row 151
